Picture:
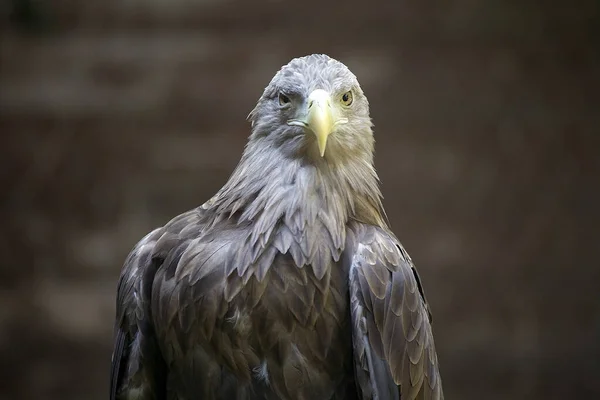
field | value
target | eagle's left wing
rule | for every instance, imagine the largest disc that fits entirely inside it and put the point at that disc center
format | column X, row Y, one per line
column 394, row 352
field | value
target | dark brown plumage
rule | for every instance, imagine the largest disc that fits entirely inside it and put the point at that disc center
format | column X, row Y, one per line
column 288, row 283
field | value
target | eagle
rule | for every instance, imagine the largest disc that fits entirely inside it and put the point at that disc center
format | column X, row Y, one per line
column 288, row 283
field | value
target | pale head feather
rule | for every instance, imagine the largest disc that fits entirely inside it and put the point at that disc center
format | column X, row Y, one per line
column 282, row 180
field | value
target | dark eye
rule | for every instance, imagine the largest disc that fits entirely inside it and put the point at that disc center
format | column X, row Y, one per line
column 347, row 98
column 283, row 99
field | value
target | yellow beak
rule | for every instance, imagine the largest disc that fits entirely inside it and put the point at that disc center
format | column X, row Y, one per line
column 320, row 117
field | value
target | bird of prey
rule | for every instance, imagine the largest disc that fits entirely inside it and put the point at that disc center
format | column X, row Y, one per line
column 288, row 283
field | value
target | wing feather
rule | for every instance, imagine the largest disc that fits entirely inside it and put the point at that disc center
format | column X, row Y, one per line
column 394, row 350
column 136, row 365
column 117, row 361
column 138, row 368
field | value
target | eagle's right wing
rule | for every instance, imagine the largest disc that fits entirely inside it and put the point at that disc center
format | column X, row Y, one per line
column 138, row 369
column 136, row 363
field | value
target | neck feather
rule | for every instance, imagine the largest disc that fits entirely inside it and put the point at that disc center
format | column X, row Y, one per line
column 268, row 185
column 296, row 206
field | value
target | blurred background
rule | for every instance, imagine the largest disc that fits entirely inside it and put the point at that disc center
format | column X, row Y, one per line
column 117, row 115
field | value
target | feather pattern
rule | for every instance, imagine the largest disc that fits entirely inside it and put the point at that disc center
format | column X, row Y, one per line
column 393, row 342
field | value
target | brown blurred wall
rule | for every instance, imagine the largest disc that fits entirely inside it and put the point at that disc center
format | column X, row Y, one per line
column 117, row 115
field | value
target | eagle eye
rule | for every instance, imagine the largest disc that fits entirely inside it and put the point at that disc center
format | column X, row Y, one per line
column 283, row 99
column 347, row 98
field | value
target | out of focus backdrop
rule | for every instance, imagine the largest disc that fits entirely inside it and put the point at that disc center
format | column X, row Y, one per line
column 117, row 115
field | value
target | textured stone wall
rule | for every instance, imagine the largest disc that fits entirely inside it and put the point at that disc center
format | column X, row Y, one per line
column 117, row 115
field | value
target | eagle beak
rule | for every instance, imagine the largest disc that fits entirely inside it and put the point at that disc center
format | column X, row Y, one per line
column 320, row 117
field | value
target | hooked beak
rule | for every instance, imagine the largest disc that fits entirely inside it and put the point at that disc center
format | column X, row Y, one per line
column 320, row 117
